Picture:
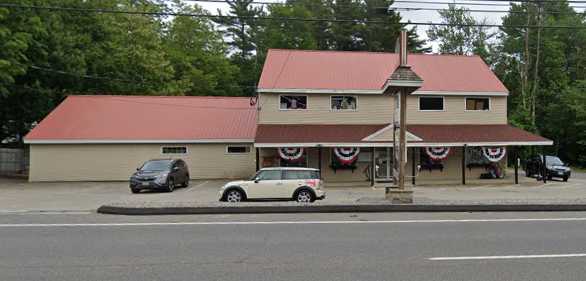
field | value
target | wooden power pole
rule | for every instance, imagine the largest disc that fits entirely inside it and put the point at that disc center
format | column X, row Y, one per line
column 402, row 82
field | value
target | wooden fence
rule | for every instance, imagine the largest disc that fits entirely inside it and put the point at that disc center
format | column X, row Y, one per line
column 13, row 161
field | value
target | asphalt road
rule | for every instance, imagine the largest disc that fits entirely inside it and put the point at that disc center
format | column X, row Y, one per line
column 437, row 246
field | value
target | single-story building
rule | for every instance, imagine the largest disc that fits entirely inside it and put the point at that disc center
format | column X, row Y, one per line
column 105, row 138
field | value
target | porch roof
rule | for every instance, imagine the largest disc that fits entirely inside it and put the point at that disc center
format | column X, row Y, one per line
column 370, row 135
column 273, row 135
column 474, row 135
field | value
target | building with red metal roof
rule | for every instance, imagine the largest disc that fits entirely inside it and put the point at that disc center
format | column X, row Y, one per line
column 107, row 137
column 324, row 105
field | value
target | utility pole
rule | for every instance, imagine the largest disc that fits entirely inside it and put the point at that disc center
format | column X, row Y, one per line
column 402, row 82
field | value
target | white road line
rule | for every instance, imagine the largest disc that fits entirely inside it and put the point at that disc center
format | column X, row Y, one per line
column 508, row 257
column 41, row 212
column 286, row 222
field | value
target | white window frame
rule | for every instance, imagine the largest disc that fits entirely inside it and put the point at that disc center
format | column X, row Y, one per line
column 174, row 146
column 343, row 110
column 296, row 95
column 431, row 110
column 477, row 110
column 238, row 153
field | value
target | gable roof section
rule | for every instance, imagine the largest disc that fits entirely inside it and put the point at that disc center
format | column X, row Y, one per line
column 147, row 119
column 368, row 72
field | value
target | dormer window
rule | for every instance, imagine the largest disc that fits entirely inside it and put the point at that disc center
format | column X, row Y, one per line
column 291, row 102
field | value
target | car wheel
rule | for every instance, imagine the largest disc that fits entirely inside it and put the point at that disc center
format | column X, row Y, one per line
column 186, row 183
column 170, row 185
column 304, row 196
column 234, row 195
column 133, row 190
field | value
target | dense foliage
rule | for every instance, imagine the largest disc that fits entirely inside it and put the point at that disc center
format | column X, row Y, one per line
column 47, row 54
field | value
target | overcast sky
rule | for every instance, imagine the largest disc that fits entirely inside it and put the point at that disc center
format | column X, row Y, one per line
column 417, row 16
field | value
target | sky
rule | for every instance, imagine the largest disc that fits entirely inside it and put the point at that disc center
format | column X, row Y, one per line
column 417, row 16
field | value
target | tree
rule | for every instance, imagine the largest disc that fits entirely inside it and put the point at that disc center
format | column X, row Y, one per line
column 198, row 55
column 462, row 36
column 544, row 71
column 243, row 29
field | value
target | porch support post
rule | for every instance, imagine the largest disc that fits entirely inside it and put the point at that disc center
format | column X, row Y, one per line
column 413, row 166
column 319, row 161
column 516, row 164
column 372, row 167
column 464, row 148
column 544, row 172
column 257, row 159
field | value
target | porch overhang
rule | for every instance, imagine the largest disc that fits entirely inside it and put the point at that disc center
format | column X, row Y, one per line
column 474, row 135
column 319, row 135
column 381, row 135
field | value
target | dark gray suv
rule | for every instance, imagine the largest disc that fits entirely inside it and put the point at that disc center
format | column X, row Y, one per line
column 160, row 174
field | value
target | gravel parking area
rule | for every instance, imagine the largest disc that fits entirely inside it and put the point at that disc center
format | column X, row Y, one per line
column 21, row 196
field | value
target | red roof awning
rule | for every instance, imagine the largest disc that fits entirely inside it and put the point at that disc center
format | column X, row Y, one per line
column 313, row 135
column 474, row 135
column 427, row 135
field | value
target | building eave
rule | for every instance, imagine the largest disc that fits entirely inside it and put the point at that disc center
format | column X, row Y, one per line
column 142, row 141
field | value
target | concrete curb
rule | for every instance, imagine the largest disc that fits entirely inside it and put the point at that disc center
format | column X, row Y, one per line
column 370, row 208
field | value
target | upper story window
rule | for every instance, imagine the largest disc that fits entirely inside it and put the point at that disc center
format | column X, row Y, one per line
column 174, row 150
column 342, row 103
column 237, row 149
column 291, row 102
column 480, row 104
column 431, row 103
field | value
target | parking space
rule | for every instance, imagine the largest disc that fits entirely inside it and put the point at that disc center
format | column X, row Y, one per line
column 20, row 195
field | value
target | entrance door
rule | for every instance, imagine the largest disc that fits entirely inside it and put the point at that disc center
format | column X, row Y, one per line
column 384, row 163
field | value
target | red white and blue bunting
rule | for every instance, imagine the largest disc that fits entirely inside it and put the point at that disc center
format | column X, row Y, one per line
column 494, row 154
column 291, row 153
column 437, row 152
column 347, row 155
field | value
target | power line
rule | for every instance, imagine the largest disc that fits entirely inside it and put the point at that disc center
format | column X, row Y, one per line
column 410, row 9
column 84, row 75
column 67, row 9
column 403, row 1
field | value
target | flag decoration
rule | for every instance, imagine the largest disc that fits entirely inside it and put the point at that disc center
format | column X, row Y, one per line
column 291, row 153
column 494, row 154
column 437, row 152
column 347, row 155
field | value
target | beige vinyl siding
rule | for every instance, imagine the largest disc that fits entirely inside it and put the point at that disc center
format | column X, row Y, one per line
column 371, row 109
column 379, row 109
column 455, row 112
column 113, row 162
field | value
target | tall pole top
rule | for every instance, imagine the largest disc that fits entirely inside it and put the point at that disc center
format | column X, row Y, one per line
column 403, row 47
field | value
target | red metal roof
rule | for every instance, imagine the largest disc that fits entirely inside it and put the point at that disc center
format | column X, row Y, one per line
column 473, row 134
column 430, row 134
column 143, row 118
column 269, row 133
column 339, row 70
